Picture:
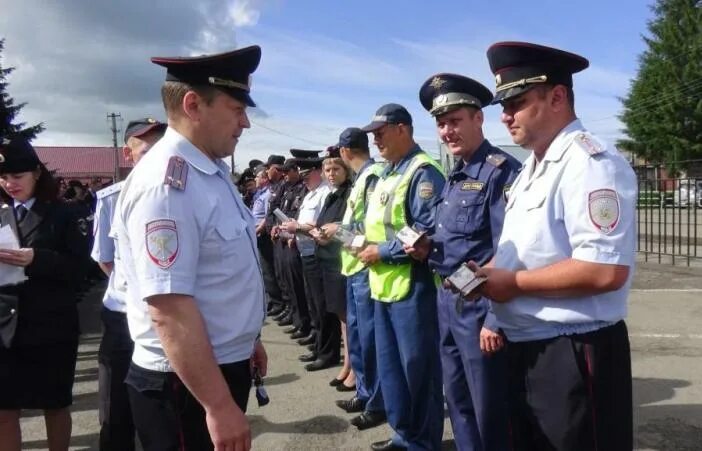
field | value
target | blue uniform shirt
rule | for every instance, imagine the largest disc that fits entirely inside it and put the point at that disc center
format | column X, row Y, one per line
column 420, row 211
column 471, row 210
column 198, row 241
column 260, row 203
column 104, row 248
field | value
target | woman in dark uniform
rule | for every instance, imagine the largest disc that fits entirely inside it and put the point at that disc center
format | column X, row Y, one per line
column 38, row 317
column 329, row 255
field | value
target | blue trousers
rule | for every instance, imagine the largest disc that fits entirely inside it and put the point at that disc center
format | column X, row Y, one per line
column 407, row 346
column 360, row 334
column 475, row 384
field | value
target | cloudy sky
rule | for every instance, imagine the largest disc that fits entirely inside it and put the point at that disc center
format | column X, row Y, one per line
column 326, row 64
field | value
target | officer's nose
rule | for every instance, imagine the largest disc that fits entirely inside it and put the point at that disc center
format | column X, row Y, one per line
column 506, row 118
column 245, row 123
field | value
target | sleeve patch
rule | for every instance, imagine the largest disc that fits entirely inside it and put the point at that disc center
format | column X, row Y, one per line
column 426, row 190
column 603, row 209
column 162, row 242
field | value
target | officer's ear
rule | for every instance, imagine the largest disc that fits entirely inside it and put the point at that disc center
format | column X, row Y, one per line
column 192, row 105
column 479, row 117
column 559, row 98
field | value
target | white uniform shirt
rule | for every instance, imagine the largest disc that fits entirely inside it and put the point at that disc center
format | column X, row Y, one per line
column 578, row 202
column 308, row 212
column 104, row 249
column 197, row 241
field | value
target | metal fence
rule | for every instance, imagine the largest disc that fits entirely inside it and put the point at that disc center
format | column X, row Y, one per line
column 669, row 216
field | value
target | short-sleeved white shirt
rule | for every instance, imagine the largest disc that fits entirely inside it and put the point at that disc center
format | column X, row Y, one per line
column 578, row 202
column 197, row 241
column 105, row 251
column 309, row 210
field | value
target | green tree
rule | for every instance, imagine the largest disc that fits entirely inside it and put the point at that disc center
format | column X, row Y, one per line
column 9, row 110
column 663, row 109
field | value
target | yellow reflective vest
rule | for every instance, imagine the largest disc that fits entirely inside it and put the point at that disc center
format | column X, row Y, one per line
column 355, row 209
column 385, row 217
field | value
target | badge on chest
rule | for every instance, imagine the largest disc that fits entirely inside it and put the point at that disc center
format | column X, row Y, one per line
column 472, row 186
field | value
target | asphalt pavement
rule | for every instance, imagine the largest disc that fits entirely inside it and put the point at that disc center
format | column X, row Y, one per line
column 666, row 338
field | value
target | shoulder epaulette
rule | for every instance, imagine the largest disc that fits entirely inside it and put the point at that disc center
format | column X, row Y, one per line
column 176, row 173
column 589, row 143
column 114, row 188
column 496, row 159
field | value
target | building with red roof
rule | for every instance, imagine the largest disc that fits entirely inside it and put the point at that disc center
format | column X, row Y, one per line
column 84, row 163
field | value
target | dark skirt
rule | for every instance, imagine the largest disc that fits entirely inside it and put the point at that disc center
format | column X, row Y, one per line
column 37, row 377
column 334, row 286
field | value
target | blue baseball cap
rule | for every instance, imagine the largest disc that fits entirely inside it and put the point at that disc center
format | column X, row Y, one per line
column 392, row 113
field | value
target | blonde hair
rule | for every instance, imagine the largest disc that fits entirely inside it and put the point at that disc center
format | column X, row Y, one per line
column 173, row 92
column 339, row 162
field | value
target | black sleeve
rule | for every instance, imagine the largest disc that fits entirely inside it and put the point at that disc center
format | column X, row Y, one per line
column 68, row 259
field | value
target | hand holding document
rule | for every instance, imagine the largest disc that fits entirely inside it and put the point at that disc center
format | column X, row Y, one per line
column 10, row 274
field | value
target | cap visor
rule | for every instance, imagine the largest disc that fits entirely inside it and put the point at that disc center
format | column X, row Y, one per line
column 373, row 126
column 507, row 94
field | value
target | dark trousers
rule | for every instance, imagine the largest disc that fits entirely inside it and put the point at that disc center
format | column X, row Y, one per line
column 327, row 345
column 114, row 357
column 475, row 384
column 310, row 266
column 279, row 265
column 360, row 334
column 407, row 346
column 265, row 250
column 168, row 417
column 572, row 392
column 296, row 283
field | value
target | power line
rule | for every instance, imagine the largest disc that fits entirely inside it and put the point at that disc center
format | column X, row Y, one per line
column 287, row 134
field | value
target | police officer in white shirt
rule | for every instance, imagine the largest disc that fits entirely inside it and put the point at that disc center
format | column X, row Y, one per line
column 116, row 346
column 196, row 300
column 306, row 222
column 561, row 274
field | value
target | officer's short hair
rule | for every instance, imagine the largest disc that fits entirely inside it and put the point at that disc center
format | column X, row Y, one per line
column 173, row 92
column 541, row 92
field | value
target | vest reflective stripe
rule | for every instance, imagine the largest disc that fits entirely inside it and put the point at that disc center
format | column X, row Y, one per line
column 355, row 209
column 385, row 216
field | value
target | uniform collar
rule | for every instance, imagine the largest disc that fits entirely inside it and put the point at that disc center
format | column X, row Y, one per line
column 27, row 204
column 473, row 166
column 401, row 165
column 561, row 142
column 365, row 166
column 194, row 156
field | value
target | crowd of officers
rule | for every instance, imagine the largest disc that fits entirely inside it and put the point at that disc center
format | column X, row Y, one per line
column 536, row 357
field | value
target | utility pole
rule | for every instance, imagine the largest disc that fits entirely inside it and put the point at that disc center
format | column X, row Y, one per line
column 113, row 128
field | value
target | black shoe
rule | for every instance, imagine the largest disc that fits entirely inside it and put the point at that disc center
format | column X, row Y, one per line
column 281, row 315
column 300, row 333
column 343, row 387
column 287, row 321
column 319, row 365
column 308, row 340
column 353, row 405
column 336, row 382
column 386, row 445
column 291, row 330
column 275, row 311
column 311, row 347
column 308, row 357
column 367, row 420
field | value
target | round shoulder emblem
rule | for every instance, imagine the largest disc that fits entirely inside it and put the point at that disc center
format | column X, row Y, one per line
column 603, row 208
column 162, row 242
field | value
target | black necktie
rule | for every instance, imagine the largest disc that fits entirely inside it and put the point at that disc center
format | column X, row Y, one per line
column 21, row 212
